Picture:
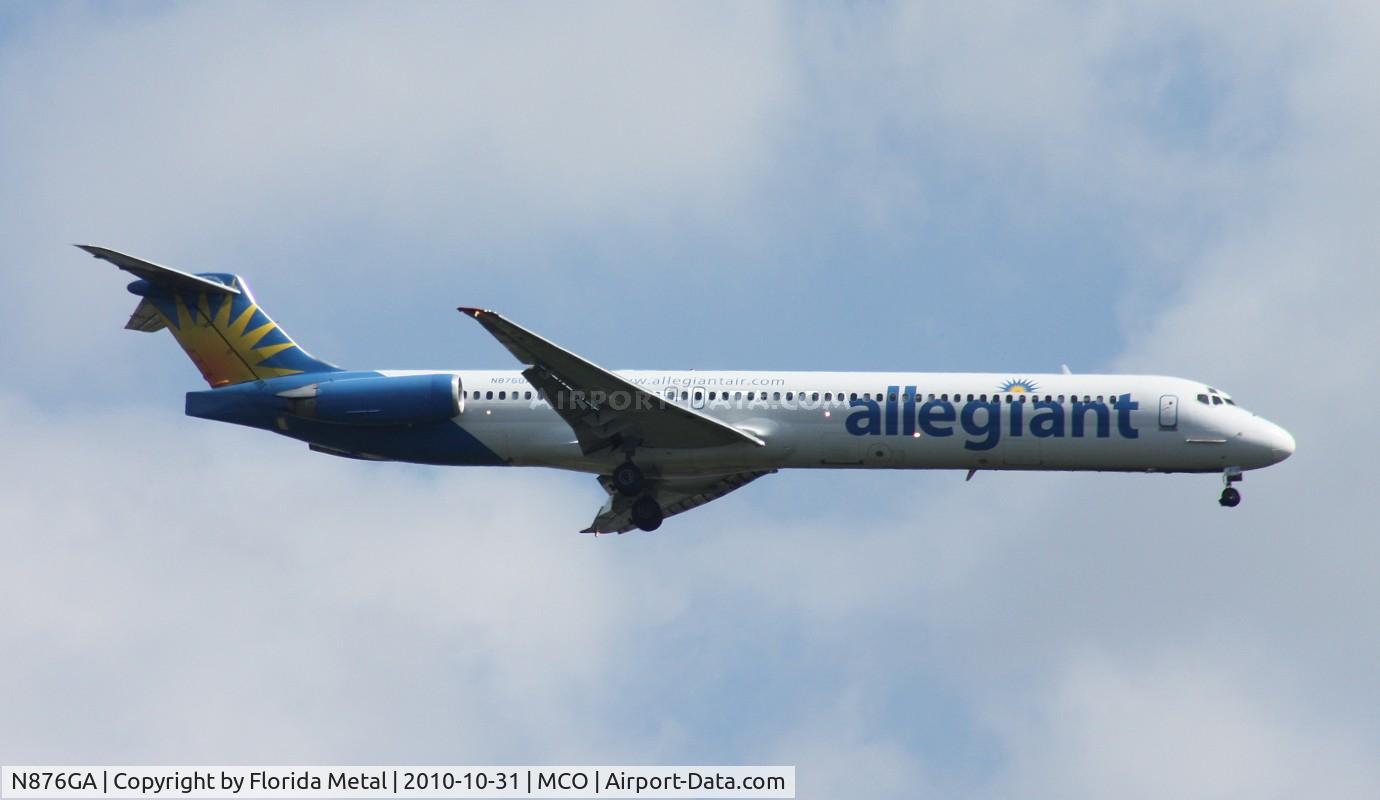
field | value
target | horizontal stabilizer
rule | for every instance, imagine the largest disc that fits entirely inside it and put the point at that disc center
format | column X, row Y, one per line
column 158, row 274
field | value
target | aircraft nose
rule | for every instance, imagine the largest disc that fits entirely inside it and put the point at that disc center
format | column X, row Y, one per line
column 1281, row 443
column 1264, row 443
column 1270, row 442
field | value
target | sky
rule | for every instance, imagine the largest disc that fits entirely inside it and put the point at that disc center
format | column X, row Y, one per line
column 1172, row 188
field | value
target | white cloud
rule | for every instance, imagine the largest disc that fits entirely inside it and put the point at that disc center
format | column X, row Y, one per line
column 323, row 602
column 1182, row 726
column 838, row 754
column 457, row 122
column 449, row 129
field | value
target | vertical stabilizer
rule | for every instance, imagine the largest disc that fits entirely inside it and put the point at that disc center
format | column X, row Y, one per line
column 215, row 319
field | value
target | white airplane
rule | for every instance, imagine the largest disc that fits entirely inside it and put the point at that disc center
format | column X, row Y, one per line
column 664, row 442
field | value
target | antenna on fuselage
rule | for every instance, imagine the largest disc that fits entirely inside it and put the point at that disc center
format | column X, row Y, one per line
column 1065, row 369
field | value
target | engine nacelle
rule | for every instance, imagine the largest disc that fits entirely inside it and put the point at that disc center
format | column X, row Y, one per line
column 380, row 400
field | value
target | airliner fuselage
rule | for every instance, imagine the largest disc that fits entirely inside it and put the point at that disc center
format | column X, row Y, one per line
column 833, row 420
column 663, row 442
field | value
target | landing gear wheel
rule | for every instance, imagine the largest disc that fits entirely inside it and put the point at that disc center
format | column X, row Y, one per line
column 628, row 480
column 1231, row 498
column 647, row 513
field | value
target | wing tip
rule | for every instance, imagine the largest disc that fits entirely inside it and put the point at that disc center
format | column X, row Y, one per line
column 471, row 311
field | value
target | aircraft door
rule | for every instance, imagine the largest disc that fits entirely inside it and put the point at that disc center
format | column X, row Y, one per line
column 1169, row 411
column 697, row 395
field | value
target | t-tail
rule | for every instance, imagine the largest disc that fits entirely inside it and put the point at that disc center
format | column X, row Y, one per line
column 215, row 319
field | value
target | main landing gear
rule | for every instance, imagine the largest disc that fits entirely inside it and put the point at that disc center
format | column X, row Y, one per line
column 1231, row 497
column 628, row 480
column 646, row 513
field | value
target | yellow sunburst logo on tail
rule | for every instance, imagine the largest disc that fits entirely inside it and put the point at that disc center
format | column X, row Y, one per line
column 228, row 337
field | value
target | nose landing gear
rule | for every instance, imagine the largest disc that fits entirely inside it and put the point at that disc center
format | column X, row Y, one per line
column 1231, row 497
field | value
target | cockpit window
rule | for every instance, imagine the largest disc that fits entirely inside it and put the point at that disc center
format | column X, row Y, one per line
column 1217, row 401
column 1229, row 401
column 1202, row 398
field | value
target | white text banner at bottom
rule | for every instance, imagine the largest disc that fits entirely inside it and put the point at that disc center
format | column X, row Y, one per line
column 387, row 783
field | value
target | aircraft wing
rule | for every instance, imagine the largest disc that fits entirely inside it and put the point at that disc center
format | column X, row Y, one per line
column 676, row 495
column 603, row 409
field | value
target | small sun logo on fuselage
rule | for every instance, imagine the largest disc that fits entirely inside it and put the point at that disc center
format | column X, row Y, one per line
column 1019, row 386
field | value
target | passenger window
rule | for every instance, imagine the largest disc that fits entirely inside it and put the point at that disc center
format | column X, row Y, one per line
column 853, row 396
column 776, row 395
column 814, row 396
column 489, row 396
column 790, row 395
column 526, row 395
